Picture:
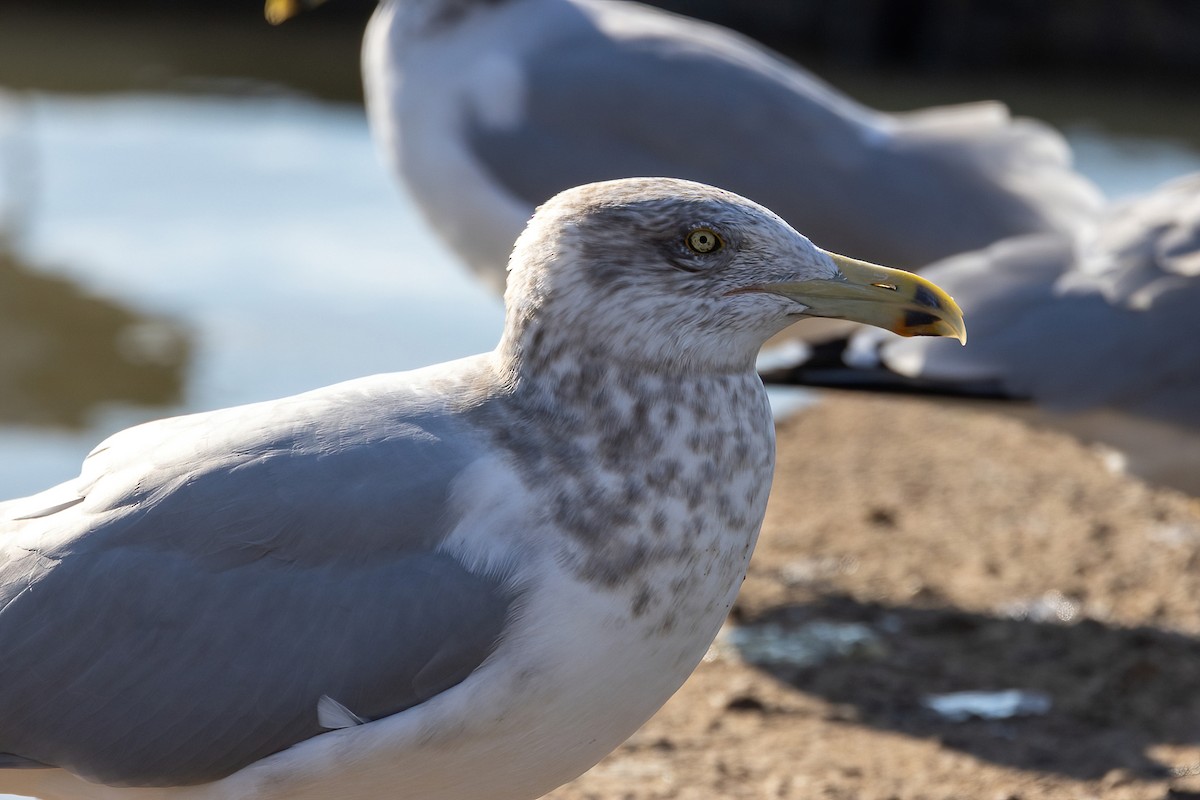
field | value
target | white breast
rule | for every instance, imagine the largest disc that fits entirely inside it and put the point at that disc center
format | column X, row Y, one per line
column 585, row 663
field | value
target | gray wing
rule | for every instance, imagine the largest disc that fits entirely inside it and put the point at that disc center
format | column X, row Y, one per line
column 1145, row 246
column 1107, row 323
column 688, row 100
column 704, row 105
column 186, row 616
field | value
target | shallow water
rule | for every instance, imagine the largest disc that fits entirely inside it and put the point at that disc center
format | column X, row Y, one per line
column 265, row 231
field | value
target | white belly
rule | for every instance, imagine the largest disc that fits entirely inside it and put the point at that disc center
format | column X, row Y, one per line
column 543, row 711
column 540, row 713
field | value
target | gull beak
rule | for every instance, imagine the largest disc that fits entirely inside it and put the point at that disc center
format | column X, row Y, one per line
column 279, row 11
column 891, row 299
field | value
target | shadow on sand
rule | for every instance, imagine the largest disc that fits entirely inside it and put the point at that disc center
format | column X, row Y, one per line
column 1114, row 691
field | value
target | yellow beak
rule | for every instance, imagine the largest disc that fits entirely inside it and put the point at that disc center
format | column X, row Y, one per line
column 279, row 11
column 891, row 299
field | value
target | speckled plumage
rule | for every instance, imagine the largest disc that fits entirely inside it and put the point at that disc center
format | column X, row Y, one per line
column 503, row 564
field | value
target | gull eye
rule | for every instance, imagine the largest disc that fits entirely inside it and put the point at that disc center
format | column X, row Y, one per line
column 704, row 240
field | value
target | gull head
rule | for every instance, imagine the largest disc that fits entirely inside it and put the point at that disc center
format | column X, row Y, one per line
column 687, row 277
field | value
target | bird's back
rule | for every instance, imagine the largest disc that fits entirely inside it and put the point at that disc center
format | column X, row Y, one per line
column 545, row 94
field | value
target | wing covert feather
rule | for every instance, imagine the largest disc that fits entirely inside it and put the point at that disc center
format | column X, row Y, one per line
column 224, row 571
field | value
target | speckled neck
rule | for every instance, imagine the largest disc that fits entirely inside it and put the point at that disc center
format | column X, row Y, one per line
column 645, row 475
column 535, row 346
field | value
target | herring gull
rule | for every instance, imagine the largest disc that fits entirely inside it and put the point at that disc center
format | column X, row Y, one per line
column 1098, row 331
column 466, row 582
column 486, row 108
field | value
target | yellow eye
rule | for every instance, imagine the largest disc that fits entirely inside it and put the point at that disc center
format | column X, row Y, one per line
column 703, row 240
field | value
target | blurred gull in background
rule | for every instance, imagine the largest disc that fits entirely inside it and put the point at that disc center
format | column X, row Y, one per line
column 487, row 108
column 1099, row 332
column 466, row 582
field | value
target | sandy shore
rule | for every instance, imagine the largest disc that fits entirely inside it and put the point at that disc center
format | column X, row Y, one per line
column 911, row 550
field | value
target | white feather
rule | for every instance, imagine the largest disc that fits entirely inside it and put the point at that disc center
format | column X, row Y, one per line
column 333, row 715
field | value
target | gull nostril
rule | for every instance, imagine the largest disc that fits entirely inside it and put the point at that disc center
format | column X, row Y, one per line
column 927, row 298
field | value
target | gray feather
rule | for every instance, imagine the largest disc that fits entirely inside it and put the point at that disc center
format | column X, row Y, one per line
column 234, row 567
column 1107, row 322
column 333, row 715
column 684, row 99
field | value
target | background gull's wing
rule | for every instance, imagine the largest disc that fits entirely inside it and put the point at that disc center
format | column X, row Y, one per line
column 626, row 90
column 1098, row 332
column 1107, row 322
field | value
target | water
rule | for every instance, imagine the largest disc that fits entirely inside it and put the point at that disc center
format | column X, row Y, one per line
column 265, row 230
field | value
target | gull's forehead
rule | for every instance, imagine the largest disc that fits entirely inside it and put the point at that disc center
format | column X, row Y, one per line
column 611, row 234
column 659, row 202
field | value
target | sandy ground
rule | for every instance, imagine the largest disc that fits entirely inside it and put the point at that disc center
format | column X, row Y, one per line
column 913, row 549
